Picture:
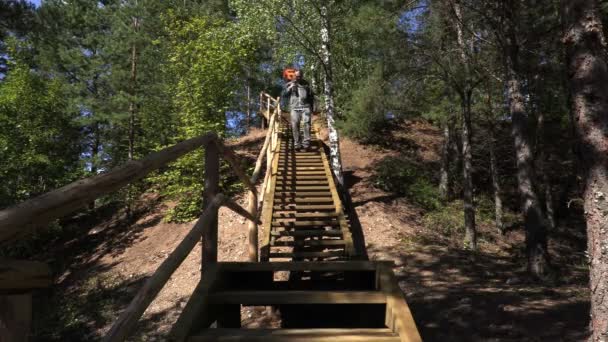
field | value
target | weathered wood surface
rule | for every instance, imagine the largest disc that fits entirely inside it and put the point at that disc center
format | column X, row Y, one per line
column 197, row 308
column 212, row 188
column 15, row 317
column 128, row 319
column 296, row 335
column 303, row 266
column 252, row 205
column 398, row 314
column 25, row 217
column 297, row 297
column 21, row 276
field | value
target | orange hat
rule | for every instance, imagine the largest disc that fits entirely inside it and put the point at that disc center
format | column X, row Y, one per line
column 289, row 74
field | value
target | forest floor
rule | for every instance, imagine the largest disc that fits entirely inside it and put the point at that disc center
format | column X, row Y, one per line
column 455, row 295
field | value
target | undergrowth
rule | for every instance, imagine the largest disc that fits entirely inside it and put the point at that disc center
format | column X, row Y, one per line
column 403, row 177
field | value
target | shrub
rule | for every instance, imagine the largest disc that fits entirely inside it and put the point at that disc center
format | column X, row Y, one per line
column 405, row 178
column 366, row 110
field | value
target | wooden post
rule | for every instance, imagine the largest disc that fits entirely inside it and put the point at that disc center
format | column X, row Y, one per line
column 129, row 317
column 18, row 278
column 212, row 184
column 15, row 317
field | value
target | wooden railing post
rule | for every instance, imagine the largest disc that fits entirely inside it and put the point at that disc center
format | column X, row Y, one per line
column 212, row 184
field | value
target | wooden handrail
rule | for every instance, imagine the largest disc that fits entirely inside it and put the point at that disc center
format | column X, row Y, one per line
column 23, row 218
column 128, row 319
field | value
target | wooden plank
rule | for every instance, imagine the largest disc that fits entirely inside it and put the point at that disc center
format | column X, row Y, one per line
column 268, row 205
column 305, row 223
column 212, row 186
column 402, row 319
column 303, row 215
column 349, row 247
column 296, row 335
column 301, row 168
column 351, row 265
column 299, row 188
column 303, row 173
column 252, row 205
column 17, row 276
column 307, row 233
column 304, row 207
column 300, row 182
column 301, row 255
column 297, row 297
column 25, row 217
column 303, row 194
column 196, row 310
column 310, row 243
column 291, row 178
column 15, row 317
column 128, row 319
column 278, row 200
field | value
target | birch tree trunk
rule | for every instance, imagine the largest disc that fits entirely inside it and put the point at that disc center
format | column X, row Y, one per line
column 334, row 139
column 536, row 233
column 588, row 76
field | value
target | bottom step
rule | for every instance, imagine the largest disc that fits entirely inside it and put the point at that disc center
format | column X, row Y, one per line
column 299, row 335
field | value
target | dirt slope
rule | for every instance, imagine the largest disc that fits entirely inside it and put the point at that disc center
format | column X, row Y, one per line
column 454, row 295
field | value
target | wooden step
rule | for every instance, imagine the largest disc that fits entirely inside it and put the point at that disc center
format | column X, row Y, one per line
column 308, row 173
column 310, row 243
column 306, row 233
column 296, row 335
column 302, row 194
column 302, row 177
column 301, row 182
column 301, row 158
column 306, row 255
column 300, row 187
column 288, row 161
column 297, row 297
column 305, row 223
column 279, row 199
column 305, row 215
column 303, row 207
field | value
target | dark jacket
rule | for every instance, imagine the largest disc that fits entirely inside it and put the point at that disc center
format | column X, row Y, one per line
column 299, row 96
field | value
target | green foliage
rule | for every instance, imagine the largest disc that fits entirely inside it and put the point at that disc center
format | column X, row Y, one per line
column 365, row 117
column 38, row 139
column 204, row 61
column 401, row 176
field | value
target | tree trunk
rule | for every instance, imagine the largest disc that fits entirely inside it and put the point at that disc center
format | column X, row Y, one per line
column 536, row 233
column 498, row 209
column 334, row 139
column 541, row 159
column 588, row 75
column 133, row 90
column 470, row 238
column 444, row 174
column 248, row 108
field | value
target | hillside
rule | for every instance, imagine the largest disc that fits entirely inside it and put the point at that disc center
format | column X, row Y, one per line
column 454, row 294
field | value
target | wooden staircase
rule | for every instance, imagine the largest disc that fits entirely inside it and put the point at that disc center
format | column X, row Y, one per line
column 327, row 301
column 318, row 286
column 323, row 292
column 305, row 219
